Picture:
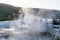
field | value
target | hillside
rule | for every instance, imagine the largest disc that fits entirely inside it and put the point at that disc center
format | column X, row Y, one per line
column 7, row 11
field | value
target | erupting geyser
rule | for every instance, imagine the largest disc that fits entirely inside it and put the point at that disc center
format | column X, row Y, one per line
column 33, row 19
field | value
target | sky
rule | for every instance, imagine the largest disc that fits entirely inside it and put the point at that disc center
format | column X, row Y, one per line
column 46, row 4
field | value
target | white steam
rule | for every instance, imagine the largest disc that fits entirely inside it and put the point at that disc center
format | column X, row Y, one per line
column 28, row 24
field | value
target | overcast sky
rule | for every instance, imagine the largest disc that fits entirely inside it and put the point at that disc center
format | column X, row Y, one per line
column 47, row 4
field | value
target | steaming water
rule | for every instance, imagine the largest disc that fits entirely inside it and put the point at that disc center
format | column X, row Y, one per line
column 27, row 27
